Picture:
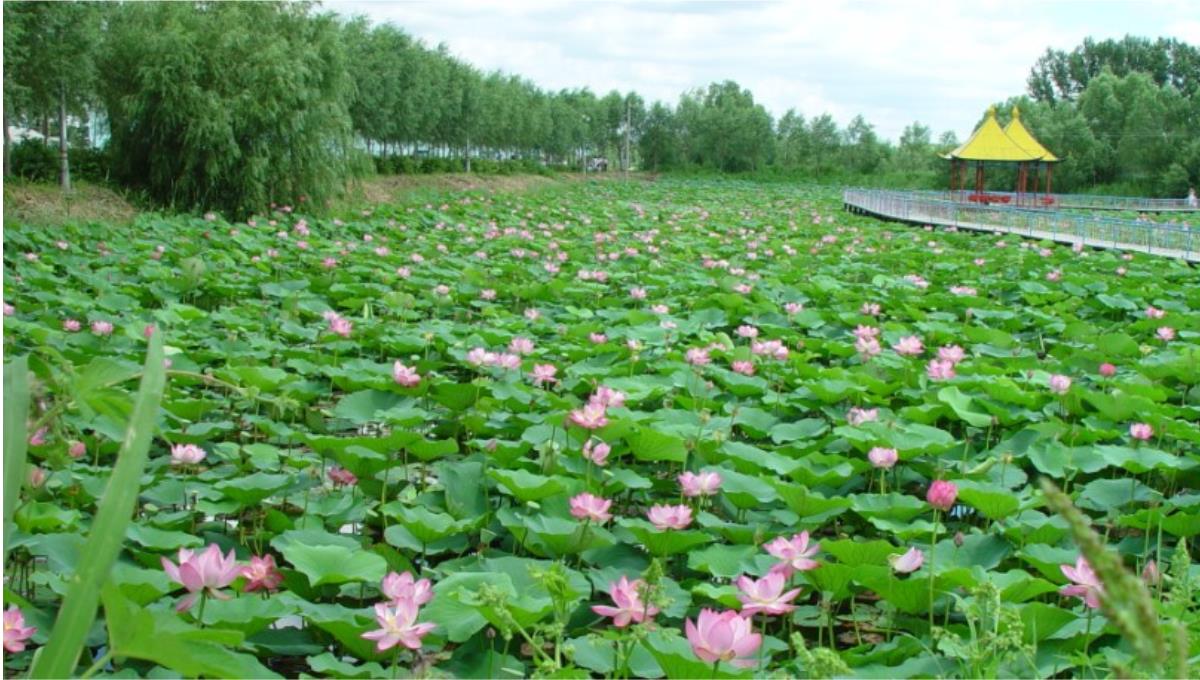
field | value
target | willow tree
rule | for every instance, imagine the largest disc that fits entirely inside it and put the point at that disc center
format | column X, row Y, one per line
column 228, row 105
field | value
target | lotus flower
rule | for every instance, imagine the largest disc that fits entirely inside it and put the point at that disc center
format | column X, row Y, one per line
column 938, row 369
column 591, row 417
column 743, row 367
column 71, row 325
column 1165, row 333
column 405, row 376
column 1060, row 384
column 597, row 452
column 544, row 373
column 102, row 328
column 342, row 477
column 883, row 458
column 399, row 587
column 665, row 517
column 909, row 346
column 795, row 553
column 858, row 416
column 951, row 353
column 1141, row 431
column 77, row 449
column 1085, row 584
column 520, row 346
column 704, row 483
column 1108, row 370
column 608, row 397
column 592, row 508
column 398, row 625
column 765, row 595
column 627, row 596
column 15, row 631
column 722, row 637
column 186, row 454
column 698, row 356
column 207, row 572
column 261, row 574
column 942, row 495
column 908, row 562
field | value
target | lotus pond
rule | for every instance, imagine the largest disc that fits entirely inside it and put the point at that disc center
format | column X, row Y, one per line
column 674, row 429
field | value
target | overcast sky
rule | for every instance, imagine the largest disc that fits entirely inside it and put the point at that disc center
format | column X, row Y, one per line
column 940, row 62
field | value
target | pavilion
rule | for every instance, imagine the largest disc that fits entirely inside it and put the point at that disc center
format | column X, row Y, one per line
column 991, row 143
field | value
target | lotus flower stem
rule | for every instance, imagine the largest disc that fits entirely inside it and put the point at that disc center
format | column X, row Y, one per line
column 932, row 551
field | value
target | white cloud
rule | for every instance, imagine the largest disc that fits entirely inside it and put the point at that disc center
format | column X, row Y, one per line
column 894, row 62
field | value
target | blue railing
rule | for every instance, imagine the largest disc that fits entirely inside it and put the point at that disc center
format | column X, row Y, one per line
column 1171, row 240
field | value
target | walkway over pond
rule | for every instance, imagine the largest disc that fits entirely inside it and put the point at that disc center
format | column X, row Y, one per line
column 1166, row 240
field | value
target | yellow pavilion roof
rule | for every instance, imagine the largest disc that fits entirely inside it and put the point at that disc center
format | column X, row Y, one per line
column 990, row 143
column 1017, row 132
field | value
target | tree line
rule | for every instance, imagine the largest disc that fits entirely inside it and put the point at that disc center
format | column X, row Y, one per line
column 237, row 105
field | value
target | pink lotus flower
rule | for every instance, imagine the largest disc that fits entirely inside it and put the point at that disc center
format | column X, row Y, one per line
column 951, row 353
column 937, row 369
column 665, row 517
column 102, row 328
column 37, row 477
column 405, row 376
column 399, row 587
column 592, row 508
column 743, row 367
column 186, row 454
column 1154, row 313
column 15, row 631
column 77, row 449
column 207, row 572
column 261, row 574
column 71, row 325
column 544, row 373
column 867, row 348
column 747, row 331
column 870, row 309
column 908, row 562
column 795, row 553
column 861, row 332
column 398, row 625
column 608, row 397
column 597, row 452
column 722, row 637
column 1141, row 431
column 771, row 348
column 481, row 357
column 1054, row 275
column 1059, row 384
column 340, row 326
column 598, row 338
column 883, row 458
column 329, row 263
column 1165, row 333
column 942, row 495
column 703, row 483
column 508, row 361
column 1108, row 370
column 858, row 416
column 591, row 417
column 909, row 346
column 765, row 595
column 697, row 356
column 1085, row 583
column 627, row 596
column 793, row 308
column 441, row 290
column 637, row 293
column 660, row 309
column 38, row 438
column 532, row 314
column 9, row 310
column 342, row 477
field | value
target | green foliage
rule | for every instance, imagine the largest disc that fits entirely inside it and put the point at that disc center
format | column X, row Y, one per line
column 229, row 105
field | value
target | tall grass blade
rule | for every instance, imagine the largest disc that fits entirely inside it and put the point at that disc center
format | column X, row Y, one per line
column 61, row 654
column 16, row 436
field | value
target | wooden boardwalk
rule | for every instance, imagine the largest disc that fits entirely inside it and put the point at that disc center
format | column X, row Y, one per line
column 1168, row 241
